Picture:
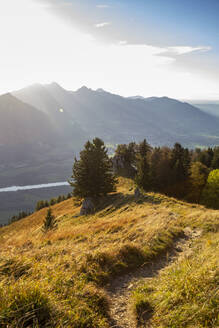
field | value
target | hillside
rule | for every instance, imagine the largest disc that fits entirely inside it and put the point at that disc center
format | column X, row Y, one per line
column 23, row 124
column 25, row 132
column 212, row 108
column 116, row 119
column 151, row 262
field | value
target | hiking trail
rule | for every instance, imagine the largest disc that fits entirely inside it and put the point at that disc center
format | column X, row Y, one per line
column 121, row 288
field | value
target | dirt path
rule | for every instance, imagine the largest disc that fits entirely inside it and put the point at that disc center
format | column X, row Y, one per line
column 120, row 290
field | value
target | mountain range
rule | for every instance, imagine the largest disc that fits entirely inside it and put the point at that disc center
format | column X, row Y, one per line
column 42, row 126
column 86, row 113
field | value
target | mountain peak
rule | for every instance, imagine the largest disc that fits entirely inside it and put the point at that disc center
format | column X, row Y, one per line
column 83, row 89
column 100, row 90
column 54, row 85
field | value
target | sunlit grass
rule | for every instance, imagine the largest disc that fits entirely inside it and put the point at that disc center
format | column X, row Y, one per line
column 187, row 293
column 68, row 268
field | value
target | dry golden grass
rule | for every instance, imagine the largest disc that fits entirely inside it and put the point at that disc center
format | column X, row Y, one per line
column 66, row 264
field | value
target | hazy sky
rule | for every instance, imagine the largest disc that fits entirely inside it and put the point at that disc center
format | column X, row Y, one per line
column 138, row 47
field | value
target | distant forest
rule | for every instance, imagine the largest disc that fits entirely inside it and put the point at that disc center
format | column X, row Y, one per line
column 191, row 175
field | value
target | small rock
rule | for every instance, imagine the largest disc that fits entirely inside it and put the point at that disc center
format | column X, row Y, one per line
column 87, row 207
column 137, row 193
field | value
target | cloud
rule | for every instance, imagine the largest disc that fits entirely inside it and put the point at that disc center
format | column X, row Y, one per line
column 73, row 57
column 103, row 6
column 183, row 50
column 123, row 42
column 100, row 25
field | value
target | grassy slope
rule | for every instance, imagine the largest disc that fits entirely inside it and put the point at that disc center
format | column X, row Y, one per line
column 57, row 279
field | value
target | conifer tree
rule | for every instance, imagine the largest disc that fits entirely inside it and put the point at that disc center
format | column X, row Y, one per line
column 49, row 222
column 180, row 161
column 143, row 169
column 92, row 173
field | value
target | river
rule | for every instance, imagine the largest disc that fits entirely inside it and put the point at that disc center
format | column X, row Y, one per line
column 30, row 187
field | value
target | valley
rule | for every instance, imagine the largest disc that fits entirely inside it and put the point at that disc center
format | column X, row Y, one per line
column 43, row 127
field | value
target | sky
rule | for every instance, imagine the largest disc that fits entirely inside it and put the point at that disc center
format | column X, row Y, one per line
column 139, row 47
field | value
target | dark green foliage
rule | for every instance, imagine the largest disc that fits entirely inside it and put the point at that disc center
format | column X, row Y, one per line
column 179, row 163
column 160, row 170
column 52, row 201
column 20, row 216
column 49, row 222
column 177, row 172
column 127, row 152
column 205, row 156
column 143, row 169
column 69, row 196
column 215, row 159
column 126, row 155
column 40, row 204
column 45, row 203
column 92, row 173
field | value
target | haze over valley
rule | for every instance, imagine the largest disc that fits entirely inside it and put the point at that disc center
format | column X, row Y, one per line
column 43, row 127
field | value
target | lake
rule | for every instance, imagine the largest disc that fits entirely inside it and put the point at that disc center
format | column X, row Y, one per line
column 46, row 185
column 15, row 199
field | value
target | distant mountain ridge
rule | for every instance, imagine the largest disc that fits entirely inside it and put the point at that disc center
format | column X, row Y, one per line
column 118, row 119
column 20, row 123
column 210, row 108
column 43, row 127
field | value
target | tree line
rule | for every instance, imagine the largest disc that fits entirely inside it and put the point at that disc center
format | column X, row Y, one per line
column 191, row 175
column 39, row 205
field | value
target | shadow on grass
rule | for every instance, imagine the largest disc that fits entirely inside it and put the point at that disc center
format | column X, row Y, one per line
column 116, row 201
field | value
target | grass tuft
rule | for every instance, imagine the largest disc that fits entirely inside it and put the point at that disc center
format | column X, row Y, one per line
column 24, row 306
column 14, row 268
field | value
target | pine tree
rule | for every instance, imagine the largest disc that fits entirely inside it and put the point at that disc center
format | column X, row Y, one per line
column 53, row 201
column 215, row 160
column 143, row 169
column 49, row 222
column 92, row 173
column 40, row 204
column 180, row 161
